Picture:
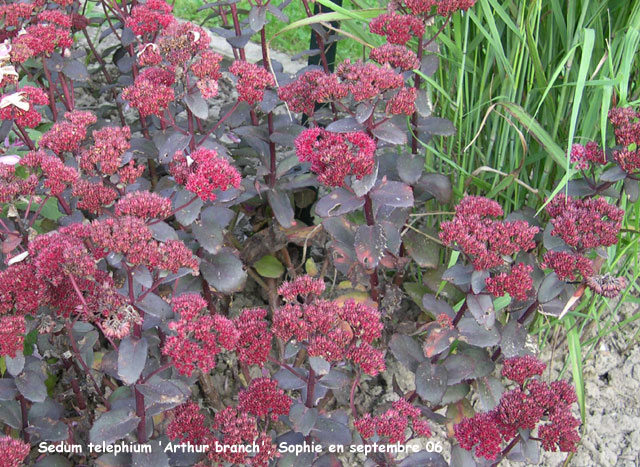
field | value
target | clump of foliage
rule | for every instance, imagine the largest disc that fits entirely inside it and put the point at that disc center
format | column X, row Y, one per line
column 129, row 224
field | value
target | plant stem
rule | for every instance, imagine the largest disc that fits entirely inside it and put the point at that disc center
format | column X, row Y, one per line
column 373, row 277
column 24, row 416
column 311, row 388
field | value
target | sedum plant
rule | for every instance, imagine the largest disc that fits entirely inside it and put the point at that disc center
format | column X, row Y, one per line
column 147, row 183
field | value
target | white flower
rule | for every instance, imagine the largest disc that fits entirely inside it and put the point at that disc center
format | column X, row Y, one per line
column 16, row 99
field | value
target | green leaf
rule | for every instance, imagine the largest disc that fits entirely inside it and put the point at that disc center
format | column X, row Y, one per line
column 269, row 266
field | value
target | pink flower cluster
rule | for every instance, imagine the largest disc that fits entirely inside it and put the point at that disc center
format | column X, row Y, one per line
column 442, row 7
column 516, row 283
column 150, row 17
column 367, row 80
column 252, row 81
column 12, row 186
column 393, row 423
column 179, row 42
column 397, row 28
column 199, row 337
column 523, row 408
column 585, row 223
column 57, row 176
column 311, row 88
column 151, row 92
column 230, row 427
column 207, row 70
column 626, row 124
column 334, row 156
column 484, row 239
column 66, row 136
column 254, row 342
column 20, row 106
column 93, row 197
column 584, row 156
column 51, row 29
column 109, row 146
column 567, row 265
column 397, row 56
column 203, row 171
column 13, row 451
column 264, row 399
column 332, row 331
column 144, row 204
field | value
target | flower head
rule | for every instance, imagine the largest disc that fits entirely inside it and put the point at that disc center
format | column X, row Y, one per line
column 367, row 80
column 252, row 81
column 150, row 93
column 203, row 172
column 254, row 343
column 13, row 451
column 66, row 136
column 20, row 106
column 397, row 28
column 150, row 17
column 567, row 265
column 109, row 146
column 333, row 156
column 519, row 369
column 143, row 204
column 311, row 88
column 398, row 56
column 263, row 398
column 57, row 176
column 516, row 283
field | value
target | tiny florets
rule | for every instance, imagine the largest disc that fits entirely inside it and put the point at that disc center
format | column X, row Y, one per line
column 143, row 204
column 302, row 286
column 254, row 343
column 263, row 398
column 13, row 451
column 252, row 81
column 516, row 283
column 367, row 80
column 397, row 28
column 567, row 265
column 334, row 156
column 519, row 369
column 397, row 56
column 311, row 88
column 20, row 106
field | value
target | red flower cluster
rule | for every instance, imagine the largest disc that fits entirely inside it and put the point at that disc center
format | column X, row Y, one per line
column 144, row 204
column 207, row 69
column 585, row 223
column 397, row 28
column 394, row 422
column 484, row 239
column 179, row 42
column 203, row 171
column 133, row 238
column 199, row 335
column 67, row 136
column 311, row 88
column 584, row 156
column 12, row 330
column 397, row 56
column 57, row 176
column 403, row 102
column 20, row 106
column 150, row 17
column 626, row 123
column 92, row 197
column 12, row 186
column 21, row 291
column 333, row 156
column 151, row 92
column 254, row 343
column 567, row 265
column 606, row 285
column 523, row 408
column 516, row 283
column 13, row 451
column 105, row 156
column 229, row 428
column 329, row 330
column 442, row 7
column 367, row 80
column 252, row 81
column 52, row 30
column 263, row 398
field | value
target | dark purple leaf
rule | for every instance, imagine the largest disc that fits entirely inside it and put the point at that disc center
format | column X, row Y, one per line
column 269, row 101
column 319, row 365
column 410, row 167
column 48, row 429
column 75, row 70
column 431, row 381
column 437, row 185
column 407, row 351
column 429, row 64
column 370, row 244
column 437, row 126
column 481, row 307
column 112, row 426
column 455, row 393
column 8, row 389
column 155, row 306
column 335, row 379
column 425, row 252
column 459, row 274
column 10, row 414
column 31, row 385
column 394, row 194
column 170, row 143
column 579, row 188
column 197, row 105
column 303, row 418
column 15, row 365
column 462, row 458
column 127, row 36
column 550, row 288
column 364, row 111
column 224, row 272
column 345, row 125
column 631, row 189
column 478, row 280
column 281, row 207
column 289, row 381
column 239, row 41
column 475, row 334
column 155, row 458
column 337, row 203
column 132, row 357
column 55, row 460
column 161, row 395
column 390, row 133
column 188, row 214
column 489, row 389
column 436, row 306
column 613, row 174
column 423, row 459
column 363, row 186
column 438, row 339
column 514, row 338
column 163, row 232
column 423, row 104
column 257, row 17
column 328, row 431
